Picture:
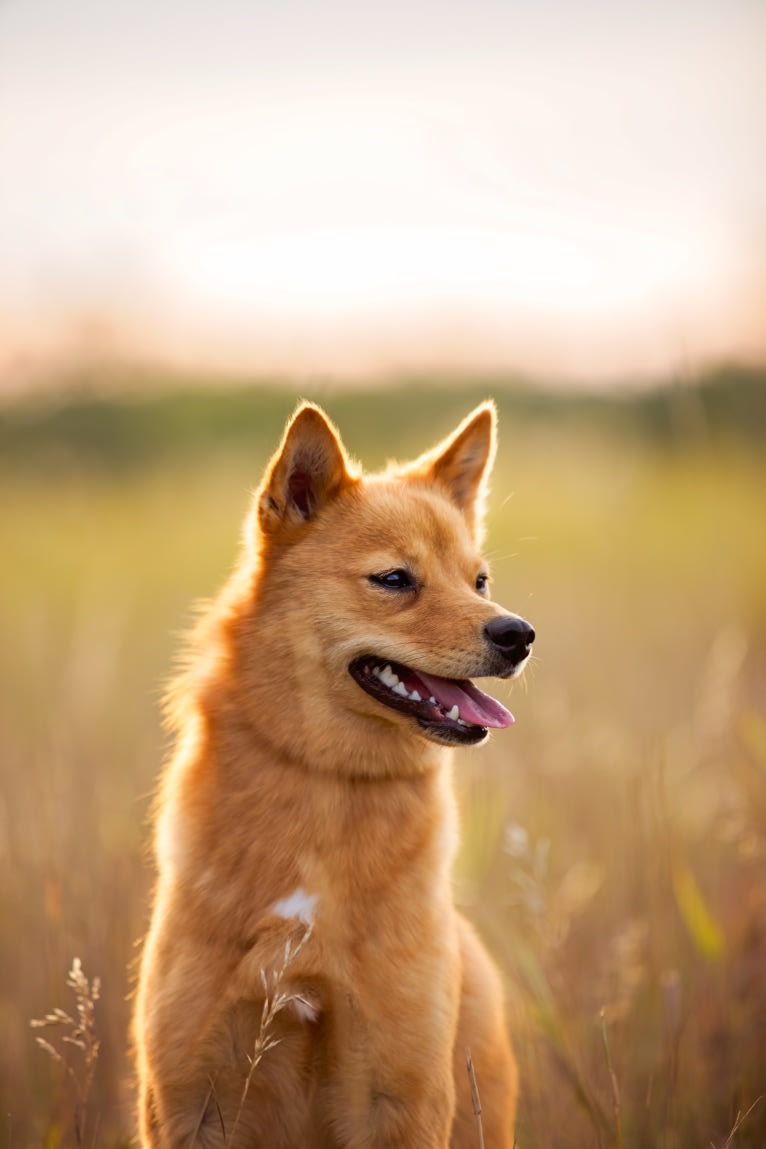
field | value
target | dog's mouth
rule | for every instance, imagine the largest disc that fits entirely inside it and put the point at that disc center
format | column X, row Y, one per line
column 449, row 709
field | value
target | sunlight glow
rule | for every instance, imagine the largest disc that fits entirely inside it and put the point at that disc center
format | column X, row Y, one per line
column 332, row 271
column 566, row 191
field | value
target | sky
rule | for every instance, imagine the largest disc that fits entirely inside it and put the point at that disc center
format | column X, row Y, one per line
column 573, row 191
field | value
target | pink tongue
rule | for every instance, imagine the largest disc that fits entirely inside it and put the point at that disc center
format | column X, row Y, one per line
column 474, row 705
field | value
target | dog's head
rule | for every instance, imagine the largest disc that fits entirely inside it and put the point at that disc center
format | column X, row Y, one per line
column 377, row 585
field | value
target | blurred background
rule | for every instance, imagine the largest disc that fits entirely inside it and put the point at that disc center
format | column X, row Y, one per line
column 208, row 211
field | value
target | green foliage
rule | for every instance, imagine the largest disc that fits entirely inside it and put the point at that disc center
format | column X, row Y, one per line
column 134, row 421
column 615, row 838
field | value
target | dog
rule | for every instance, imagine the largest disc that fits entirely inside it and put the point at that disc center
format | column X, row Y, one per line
column 306, row 981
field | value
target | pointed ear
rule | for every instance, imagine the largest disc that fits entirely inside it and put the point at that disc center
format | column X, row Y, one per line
column 461, row 464
column 308, row 471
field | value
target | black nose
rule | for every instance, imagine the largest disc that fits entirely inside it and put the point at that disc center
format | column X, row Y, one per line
column 511, row 635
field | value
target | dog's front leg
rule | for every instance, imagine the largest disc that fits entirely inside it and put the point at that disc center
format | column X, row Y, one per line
column 392, row 1084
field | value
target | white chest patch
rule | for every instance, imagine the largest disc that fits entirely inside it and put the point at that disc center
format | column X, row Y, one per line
column 299, row 905
column 305, row 1010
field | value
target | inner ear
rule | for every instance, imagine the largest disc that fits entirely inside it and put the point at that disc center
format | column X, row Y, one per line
column 307, row 472
column 299, row 491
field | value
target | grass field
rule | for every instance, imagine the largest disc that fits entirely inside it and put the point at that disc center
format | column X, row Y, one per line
column 614, row 840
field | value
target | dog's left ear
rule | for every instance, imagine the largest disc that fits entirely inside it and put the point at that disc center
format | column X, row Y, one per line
column 461, row 464
column 309, row 469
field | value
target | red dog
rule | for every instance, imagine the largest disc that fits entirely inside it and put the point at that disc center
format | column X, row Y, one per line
column 307, row 981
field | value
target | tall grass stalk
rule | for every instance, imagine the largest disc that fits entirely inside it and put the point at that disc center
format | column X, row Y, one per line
column 79, row 1033
column 475, row 1098
column 614, row 1084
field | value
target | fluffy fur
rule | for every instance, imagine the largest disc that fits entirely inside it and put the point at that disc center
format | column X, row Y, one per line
column 306, row 826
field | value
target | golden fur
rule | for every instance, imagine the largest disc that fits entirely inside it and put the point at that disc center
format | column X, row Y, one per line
column 299, row 811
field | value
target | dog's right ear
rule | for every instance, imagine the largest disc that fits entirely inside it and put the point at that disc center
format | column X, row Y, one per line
column 460, row 465
column 309, row 470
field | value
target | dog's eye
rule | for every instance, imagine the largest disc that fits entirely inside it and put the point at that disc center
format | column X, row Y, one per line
column 394, row 580
column 482, row 583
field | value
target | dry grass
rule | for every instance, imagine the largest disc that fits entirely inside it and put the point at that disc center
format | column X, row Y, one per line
column 475, row 1100
column 75, row 1034
column 614, row 841
column 275, row 1000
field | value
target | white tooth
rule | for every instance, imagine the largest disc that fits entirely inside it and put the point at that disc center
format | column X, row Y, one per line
column 415, row 696
column 454, row 713
column 433, row 701
column 376, row 671
column 388, row 678
column 400, row 688
column 461, row 723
